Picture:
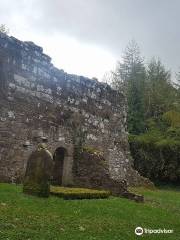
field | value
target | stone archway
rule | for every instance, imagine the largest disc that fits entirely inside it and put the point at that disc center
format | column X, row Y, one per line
column 59, row 158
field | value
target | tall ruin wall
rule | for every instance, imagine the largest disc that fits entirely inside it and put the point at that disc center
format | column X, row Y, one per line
column 39, row 100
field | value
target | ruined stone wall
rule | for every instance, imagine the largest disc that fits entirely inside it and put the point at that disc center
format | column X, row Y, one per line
column 37, row 99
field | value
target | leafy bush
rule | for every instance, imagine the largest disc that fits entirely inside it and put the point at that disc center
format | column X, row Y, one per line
column 173, row 132
column 172, row 118
column 78, row 193
column 156, row 153
column 156, row 158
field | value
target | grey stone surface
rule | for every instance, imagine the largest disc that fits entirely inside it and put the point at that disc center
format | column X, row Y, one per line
column 38, row 173
column 40, row 102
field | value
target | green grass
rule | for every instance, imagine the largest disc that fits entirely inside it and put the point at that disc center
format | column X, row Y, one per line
column 25, row 217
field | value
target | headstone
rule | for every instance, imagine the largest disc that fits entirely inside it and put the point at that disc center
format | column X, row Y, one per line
column 38, row 172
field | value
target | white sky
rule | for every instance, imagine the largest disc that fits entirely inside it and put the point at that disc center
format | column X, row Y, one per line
column 67, row 53
column 87, row 37
column 70, row 54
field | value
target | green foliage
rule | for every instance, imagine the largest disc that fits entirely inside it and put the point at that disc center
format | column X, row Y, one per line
column 78, row 193
column 27, row 217
column 156, row 153
column 153, row 115
column 130, row 77
column 173, row 133
column 172, row 118
column 159, row 92
column 149, row 90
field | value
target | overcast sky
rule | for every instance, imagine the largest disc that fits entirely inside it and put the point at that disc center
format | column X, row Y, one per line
column 87, row 37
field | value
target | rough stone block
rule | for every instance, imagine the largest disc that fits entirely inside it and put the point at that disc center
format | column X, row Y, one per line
column 38, row 173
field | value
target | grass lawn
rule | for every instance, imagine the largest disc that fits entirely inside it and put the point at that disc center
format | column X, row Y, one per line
column 30, row 218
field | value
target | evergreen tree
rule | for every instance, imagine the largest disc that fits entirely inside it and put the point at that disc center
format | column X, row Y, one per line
column 130, row 76
column 160, row 94
column 177, row 86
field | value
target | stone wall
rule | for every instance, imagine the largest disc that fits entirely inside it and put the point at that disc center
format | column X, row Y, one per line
column 38, row 100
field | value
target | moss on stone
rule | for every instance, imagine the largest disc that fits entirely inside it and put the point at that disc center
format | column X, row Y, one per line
column 38, row 172
column 36, row 189
column 92, row 150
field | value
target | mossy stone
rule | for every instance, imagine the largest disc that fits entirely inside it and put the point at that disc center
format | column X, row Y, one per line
column 38, row 173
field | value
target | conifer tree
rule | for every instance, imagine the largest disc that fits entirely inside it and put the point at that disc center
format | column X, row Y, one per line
column 130, row 76
column 160, row 93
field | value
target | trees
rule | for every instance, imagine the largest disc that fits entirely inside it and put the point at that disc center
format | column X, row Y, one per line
column 160, row 94
column 149, row 90
column 177, row 85
column 153, row 114
column 178, row 80
column 130, row 76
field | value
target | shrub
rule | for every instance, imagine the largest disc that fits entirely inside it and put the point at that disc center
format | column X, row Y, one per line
column 156, row 153
column 156, row 158
column 172, row 118
column 173, row 132
column 78, row 193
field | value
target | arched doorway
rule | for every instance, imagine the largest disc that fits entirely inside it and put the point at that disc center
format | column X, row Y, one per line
column 59, row 156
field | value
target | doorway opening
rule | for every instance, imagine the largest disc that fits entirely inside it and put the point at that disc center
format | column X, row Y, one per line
column 59, row 156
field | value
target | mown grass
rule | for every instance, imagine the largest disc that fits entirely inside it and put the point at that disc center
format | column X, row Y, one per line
column 25, row 217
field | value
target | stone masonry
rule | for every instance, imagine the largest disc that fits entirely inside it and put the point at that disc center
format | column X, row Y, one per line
column 39, row 101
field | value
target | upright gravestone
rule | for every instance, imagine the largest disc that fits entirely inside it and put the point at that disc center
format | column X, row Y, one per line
column 38, row 172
